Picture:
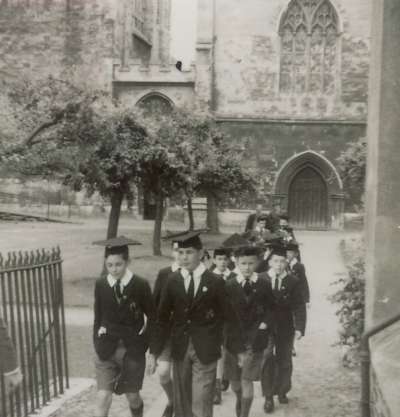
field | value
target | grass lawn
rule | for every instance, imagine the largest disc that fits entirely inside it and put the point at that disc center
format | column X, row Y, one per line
column 82, row 260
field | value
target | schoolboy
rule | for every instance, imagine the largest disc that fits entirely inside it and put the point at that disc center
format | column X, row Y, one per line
column 285, row 229
column 221, row 259
column 289, row 323
column 124, row 315
column 251, row 296
column 164, row 361
column 197, row 301
column 297, row 268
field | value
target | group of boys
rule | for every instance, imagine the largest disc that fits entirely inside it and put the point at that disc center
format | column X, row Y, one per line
column 235, row 321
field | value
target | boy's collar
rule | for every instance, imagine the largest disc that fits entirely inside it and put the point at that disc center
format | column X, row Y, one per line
column 125, row 280
column 240, row 278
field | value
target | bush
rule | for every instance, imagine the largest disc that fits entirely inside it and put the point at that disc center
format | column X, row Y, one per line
column 350, row 298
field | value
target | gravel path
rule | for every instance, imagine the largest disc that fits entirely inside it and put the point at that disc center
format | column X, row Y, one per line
column 321, row 386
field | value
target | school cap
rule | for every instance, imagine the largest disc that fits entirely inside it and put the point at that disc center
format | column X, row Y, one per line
column 262, row 218
column 171, row 235
column 279, row 250
column 284, row 217
column 235, row 241
column 221, row 251
column 190, row 239
column 248, row 250
column 292, row 246
column 117, row 245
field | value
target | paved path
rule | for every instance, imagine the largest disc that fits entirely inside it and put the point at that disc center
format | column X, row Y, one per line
column 322, row 387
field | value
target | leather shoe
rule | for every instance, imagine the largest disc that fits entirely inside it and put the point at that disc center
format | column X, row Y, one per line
column 224, row 385
column 283, row 399
column 269, row 405
column 169, row 411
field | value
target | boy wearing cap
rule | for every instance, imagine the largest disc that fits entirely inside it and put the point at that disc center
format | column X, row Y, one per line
column 124, row 315
column 196, row 299
column 222, row 260
column 298, row 269
column 289, row 324
column 251, row 296
column 285, row 229
column 164, row 361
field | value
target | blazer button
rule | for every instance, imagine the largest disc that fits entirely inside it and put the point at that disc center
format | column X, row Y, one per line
column 189, row 321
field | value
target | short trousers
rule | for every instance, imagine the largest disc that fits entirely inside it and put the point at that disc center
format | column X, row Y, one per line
column 251, row 369
column 165, row 355
column 120, row 373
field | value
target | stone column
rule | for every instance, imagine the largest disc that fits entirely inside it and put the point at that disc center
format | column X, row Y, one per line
column 383, row 167
column 204, row 53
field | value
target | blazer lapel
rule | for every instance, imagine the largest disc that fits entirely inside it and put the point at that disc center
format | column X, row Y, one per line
column 201, row 291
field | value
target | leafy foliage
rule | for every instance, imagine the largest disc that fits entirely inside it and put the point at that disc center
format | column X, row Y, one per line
column 352, row 166
column 350, row 298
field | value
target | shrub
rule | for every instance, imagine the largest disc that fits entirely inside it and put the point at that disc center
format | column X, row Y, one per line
column 350, row 298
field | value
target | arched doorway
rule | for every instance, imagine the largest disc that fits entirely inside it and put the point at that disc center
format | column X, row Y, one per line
column 309, row 188
column 308, row 200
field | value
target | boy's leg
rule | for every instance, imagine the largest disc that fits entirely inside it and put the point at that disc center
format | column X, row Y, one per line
column 237, row 389
column 164, row 372
column 203, row 385
column 182, row 383
column 135, row 403
column 103, row 403
column 284, row 348
column 220, row 371
column 247, row 397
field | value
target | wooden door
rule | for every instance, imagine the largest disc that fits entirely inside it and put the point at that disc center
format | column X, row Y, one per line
column 308, row 200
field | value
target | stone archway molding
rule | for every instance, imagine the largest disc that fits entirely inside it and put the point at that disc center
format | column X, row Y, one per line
column 330, row 175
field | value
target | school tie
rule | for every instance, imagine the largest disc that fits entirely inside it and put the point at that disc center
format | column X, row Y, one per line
column 247, row 287
column 191, row 288
column 118, row 291
column 276, row 287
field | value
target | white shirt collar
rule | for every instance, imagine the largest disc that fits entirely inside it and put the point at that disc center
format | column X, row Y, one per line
column 224, row 274
column 240, row 278
column 197, row 273
column 293, row 262
column 272, row 274
column 125, row 280
column 175, row 266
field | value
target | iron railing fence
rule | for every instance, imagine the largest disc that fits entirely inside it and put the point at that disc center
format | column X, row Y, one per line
column 32, row 305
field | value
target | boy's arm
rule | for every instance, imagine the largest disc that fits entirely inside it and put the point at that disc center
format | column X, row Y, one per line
column 8, row 357
column 299, row 312
column 230, row 317
column 304, row 283
column 163, row 314
column 97, row 310
column 268, row 318
column 149, row 310
column 157, row 288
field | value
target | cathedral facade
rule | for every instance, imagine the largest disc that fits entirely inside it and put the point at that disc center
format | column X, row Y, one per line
column 287, row 77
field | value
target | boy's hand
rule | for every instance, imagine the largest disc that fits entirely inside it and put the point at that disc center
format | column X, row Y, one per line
column 241, row 357
column 102, row 331
column 262, row 326
column 12, row 380
column 151, row 364
column 298, row 335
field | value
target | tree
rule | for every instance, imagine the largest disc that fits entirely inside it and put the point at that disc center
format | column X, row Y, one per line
column 352, row 166
column 80, row 137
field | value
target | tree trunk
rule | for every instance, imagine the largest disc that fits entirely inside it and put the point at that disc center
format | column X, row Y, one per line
column 158, row 224
column 113, row 220
column 190, row 213
column 212, row 213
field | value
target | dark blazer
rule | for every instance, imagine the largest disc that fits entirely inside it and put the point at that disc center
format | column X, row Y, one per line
column 125, row 320
column 289, row 311
column 8, row 357
column 160, row 283
column 202, row 321
column 299, row 270
column 252, row 311
column 250, row 223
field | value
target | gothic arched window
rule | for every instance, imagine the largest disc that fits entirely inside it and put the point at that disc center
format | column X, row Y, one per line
column 155, row 104
column 309, row 47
